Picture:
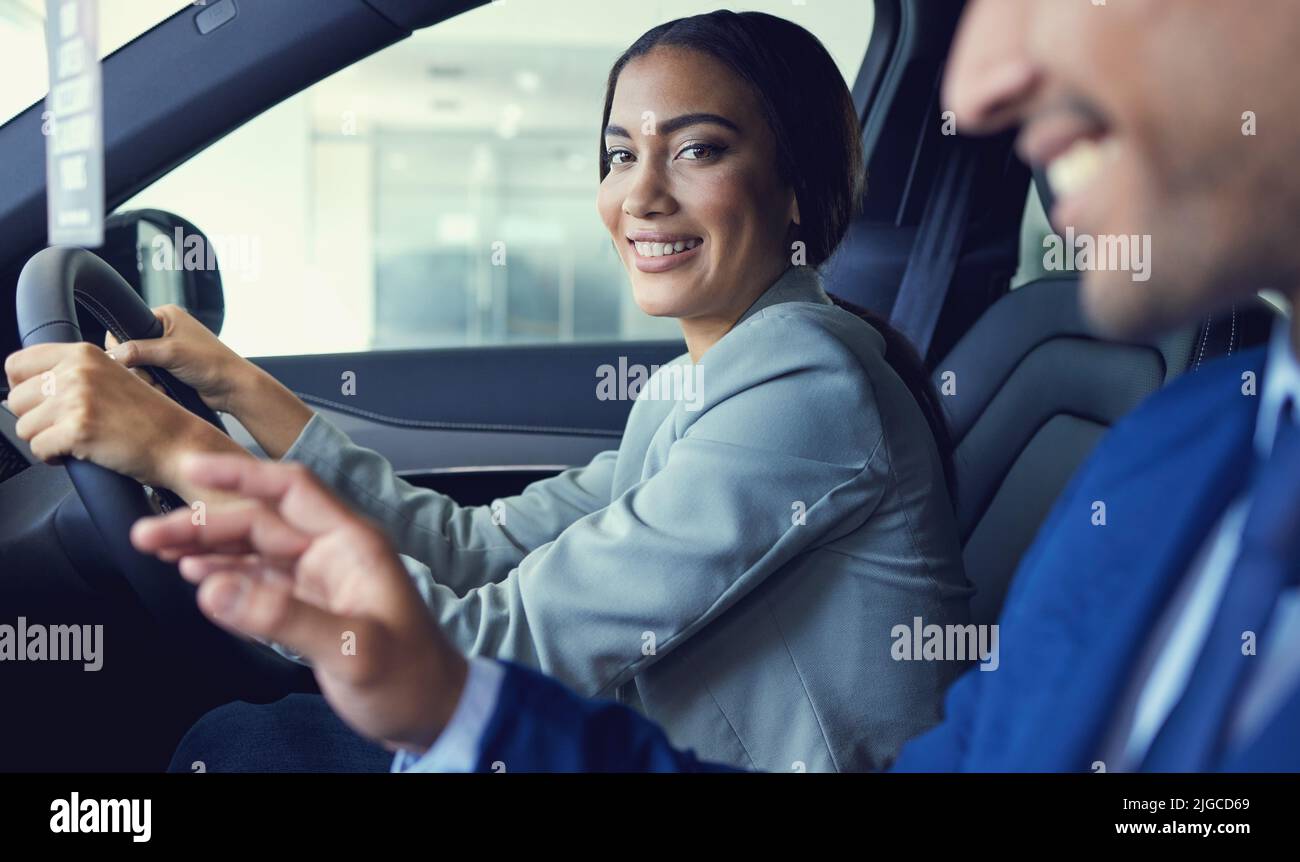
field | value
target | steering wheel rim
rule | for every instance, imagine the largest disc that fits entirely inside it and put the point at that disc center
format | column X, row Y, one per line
column 50, row 288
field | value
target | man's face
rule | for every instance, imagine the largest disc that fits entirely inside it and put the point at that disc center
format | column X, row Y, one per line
column 1141, row 111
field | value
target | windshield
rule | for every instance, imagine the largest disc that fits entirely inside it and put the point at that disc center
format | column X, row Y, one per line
column 23, row 66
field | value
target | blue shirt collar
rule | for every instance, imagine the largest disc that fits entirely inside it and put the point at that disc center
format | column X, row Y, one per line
column 1281, row 381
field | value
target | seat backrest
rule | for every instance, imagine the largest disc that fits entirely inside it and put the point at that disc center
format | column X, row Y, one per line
column 1029, row 391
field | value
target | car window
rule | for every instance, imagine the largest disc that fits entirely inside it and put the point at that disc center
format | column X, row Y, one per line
column 23, row 65
column 1034, row 230
column 441, row 192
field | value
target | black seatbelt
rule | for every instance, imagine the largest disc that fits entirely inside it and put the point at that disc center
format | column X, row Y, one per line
column 937, row 247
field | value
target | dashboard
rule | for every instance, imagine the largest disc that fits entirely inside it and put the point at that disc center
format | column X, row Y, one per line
column 15, row 457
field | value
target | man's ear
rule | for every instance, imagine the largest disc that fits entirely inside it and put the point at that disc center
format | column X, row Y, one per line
column 794, row 208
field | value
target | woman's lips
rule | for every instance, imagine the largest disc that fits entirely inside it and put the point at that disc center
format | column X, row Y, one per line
column 665, row 262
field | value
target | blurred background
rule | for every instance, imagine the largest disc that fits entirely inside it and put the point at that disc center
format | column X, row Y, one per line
column 368, row 207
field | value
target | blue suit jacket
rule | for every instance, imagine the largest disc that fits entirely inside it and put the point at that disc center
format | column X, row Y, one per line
column 1078, row 614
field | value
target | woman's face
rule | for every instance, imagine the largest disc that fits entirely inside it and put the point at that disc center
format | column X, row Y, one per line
column 693, row 168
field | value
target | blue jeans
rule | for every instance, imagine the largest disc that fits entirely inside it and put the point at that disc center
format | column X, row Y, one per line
column 298, row 733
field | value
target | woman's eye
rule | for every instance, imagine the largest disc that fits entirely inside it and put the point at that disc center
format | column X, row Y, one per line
column 618, row 157
column 699, row 152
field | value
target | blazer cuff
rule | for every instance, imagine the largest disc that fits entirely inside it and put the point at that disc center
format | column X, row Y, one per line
column 316, row 441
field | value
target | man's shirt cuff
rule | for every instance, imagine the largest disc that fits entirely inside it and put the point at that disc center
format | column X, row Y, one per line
column 458, row 747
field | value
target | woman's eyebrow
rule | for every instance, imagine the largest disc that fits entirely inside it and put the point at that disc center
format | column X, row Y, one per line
column 667, row 127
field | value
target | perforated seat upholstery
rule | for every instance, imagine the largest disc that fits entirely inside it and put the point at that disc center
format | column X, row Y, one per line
column 1034, row 392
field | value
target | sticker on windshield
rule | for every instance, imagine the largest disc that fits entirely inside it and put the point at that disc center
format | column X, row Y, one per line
column 74, row 125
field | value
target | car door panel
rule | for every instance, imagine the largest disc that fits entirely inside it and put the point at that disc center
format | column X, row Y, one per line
column 475, row 423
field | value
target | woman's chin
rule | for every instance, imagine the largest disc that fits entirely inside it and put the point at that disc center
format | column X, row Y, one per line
column 656, row 301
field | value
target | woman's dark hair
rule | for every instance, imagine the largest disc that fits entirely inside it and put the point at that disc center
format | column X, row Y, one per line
column 811, row 114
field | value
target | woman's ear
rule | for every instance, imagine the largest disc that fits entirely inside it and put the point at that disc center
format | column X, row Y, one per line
column 792, row 220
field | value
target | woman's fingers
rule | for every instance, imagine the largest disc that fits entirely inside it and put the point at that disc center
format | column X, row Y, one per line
column 31, row 392
column 158, row 352
column 134, row 353
column 146, row 378
column 33, row 361
column 35, row 412
column 54, row 440
column 41, row 388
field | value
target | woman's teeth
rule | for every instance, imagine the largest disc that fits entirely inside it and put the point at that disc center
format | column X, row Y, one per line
column 659, row 249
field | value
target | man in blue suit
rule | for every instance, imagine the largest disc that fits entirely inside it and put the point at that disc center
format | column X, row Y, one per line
column 1167, row 639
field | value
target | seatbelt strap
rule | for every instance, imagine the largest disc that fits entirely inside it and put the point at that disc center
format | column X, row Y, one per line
column 937, row 247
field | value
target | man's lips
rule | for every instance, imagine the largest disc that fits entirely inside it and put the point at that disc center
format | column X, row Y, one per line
column 1072, row 143
column 1045, row 139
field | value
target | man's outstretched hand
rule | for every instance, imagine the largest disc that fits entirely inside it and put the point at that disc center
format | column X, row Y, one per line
column 290, row 563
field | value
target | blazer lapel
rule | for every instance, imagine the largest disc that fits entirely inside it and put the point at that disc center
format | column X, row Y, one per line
column 1276, row 748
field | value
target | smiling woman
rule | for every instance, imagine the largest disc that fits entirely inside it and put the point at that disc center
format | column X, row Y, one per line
column 691, row 164
column 736, row 567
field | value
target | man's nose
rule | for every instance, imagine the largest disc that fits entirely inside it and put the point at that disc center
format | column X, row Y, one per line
column 990, row 75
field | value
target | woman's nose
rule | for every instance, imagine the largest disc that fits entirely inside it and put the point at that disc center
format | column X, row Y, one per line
column 649, row 192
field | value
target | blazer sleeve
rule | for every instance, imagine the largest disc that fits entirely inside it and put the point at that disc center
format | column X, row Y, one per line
column 538, row 725
column 676, row 550
column 464, row 546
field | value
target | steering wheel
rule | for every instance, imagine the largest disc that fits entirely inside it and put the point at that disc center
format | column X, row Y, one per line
column 51, row 286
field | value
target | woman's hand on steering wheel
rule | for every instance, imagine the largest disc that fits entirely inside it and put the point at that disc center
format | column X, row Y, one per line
column 193, row 355
column 74, row 400
column 225, row 381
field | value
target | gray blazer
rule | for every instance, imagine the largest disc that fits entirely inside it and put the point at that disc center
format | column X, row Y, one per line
column 735, row 568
